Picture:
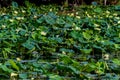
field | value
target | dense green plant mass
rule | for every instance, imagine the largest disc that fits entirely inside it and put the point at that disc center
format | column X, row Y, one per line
column 48, row 44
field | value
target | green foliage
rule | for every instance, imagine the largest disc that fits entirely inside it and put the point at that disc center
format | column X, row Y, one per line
column 37, row 44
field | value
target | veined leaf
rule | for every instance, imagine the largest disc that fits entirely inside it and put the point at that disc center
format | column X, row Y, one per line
column 86, row 35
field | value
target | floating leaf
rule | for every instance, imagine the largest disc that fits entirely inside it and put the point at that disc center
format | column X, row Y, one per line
column 75, row 34
column 23, row 76
column 86, row 35
column 40, row 20
column 68, row 25
column 6, row 69
column 98, row 10
column 29, row 45
column 22, row 32
column 117, row 46
column 49, row 20
column 86, row 51
column 60, row 21
column 116, row 61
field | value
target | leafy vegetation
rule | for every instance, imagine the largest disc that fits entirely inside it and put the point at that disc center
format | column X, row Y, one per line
column 46, row 43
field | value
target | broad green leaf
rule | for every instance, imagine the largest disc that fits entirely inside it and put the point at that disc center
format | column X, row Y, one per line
column 13, row 64
column 28, row 45
column 40, row 20
column 117, row 46
column 60, row 21
column 34, row 35
column 68, row 25
column 7, row 50
column 86, row 51
column 36, row 64
column 66, row 59
column 75, row 34
column 107, row 42
column 22, row 32
column 86, row 35
column 74, row 70
column 23, row 76
column 117, row 39
column 116, row 61
column 51, row 14
column 98, row 10
column 5, row 68
column 50, row 20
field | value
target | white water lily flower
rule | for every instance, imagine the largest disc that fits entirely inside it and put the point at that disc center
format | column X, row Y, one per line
column 15, row 12
column 107, row 16
column 94, row 15
column 76, row 13
column 118, row 22
column 110, row 16
column 18, row 29
column 77, row 28
column 35, row 17
column 19, row 18
column 78, row 17
column 117, row 18
column 13, row 74
column 107, row 12
column 115, row 14
column 89, row 16
column 97, row 29
column 23, row 11
column 22, row 18
column 106, row 56
column 18, row 59
column 3, row 26
column 3, row 13
column 72, row 14
column 63, row 52
column 43, row 33
column 97, row 25
column 86, row 12
column 11, row 20
column 50, row 9
column 32, row 79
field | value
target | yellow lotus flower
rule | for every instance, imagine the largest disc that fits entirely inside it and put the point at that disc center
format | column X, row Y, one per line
column 13, row 74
